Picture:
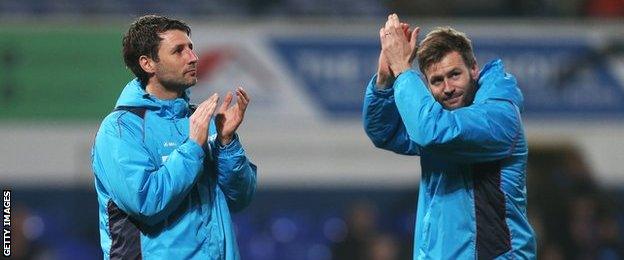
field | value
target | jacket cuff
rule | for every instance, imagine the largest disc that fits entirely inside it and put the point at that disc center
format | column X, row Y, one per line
column 380, row 93
column 192, row 148
column 411, row 82
column 406, row 74
column 231, row 148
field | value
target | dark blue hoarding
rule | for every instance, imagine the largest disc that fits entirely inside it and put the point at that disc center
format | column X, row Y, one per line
column 558, row 77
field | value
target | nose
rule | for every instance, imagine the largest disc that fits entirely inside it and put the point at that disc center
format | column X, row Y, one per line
column 192, row 56
column 449, row 89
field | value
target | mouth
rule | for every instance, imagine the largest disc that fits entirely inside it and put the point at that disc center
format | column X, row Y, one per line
column 453, row 101
column 193, row 72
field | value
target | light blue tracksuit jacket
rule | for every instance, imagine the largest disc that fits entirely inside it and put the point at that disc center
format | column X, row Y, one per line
column 472, row 197
column 161, row 195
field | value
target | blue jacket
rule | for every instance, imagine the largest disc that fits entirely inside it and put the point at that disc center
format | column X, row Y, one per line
column 472, row 197
column 160, row 194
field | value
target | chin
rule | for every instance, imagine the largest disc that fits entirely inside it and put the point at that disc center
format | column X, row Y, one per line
column 191, row 82
column 453, row 107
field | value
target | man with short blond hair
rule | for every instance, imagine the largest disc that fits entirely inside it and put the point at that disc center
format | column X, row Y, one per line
column 465, row 124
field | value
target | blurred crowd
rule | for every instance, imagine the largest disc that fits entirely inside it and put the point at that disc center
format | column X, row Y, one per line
column 316, row 8
column 573, row 216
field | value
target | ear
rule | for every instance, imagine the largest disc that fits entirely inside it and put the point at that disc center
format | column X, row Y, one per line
column 147, row 64
column 474, row 71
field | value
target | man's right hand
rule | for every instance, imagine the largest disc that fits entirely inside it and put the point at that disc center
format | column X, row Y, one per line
column 200, row 120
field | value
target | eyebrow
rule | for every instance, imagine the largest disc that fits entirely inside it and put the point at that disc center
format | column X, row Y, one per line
column 178, row 46
column 453, row 71
column 435, row 78
column 440, row 77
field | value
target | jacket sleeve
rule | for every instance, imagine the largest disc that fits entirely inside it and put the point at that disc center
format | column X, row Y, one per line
column 236, row 175
column 480, row 132
column 141, row 188
column 382, row 122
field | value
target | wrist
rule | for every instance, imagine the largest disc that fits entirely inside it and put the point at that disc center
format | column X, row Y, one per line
column 383, row 80
column 225, row 140
column 401, row 68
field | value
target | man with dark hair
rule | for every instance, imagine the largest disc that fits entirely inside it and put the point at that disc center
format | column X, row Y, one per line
column 466, row 127
column 167, row 176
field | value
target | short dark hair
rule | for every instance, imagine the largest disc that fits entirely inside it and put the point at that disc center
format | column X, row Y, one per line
column 143, row 38
column 442, row 41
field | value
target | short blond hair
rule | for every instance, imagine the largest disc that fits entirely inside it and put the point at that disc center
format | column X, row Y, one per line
column 442, row 41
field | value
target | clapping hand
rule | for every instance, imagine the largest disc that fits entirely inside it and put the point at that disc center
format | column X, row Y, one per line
column 398, row 44
column 229, row 118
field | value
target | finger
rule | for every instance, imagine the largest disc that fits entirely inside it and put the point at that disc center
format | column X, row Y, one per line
column 226, row 102
column 393, row 27
column 414, row 38
column 388, row 23
column 406, row 30
column 207, row 101
column 415, row 34
column 396, row 26
column 210, row 109
column 212, row 99
column 245, row 95
column 200, row 112
column 241, row 102
column 394, row 21
column 212, row 102
column 383, row 35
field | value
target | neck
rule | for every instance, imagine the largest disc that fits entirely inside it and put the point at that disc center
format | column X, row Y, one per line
column 155, row 88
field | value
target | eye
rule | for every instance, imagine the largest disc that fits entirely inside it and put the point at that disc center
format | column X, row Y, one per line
column 435, row 82
column 455, row 75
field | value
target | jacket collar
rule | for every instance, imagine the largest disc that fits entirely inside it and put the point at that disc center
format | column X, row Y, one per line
column 134, row 95
column 495, row 83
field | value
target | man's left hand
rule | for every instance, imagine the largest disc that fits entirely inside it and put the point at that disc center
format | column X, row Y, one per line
column 398, row 48
column 229, row 119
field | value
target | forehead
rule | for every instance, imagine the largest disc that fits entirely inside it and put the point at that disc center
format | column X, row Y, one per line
column 173, row 37
column 449, row 62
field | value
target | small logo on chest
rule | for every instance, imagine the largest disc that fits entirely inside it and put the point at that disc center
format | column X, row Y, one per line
column 169, row 144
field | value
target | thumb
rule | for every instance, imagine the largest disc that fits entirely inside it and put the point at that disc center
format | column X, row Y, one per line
column 414, row 43
column 414, row 38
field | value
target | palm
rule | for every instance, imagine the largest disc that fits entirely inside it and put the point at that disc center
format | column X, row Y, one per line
column 229, row 119
column 384, row 68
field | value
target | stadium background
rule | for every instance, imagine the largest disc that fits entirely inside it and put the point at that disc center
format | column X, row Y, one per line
column 324, row 192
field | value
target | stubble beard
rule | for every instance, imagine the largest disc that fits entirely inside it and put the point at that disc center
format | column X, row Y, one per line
column 178, row 85
column 467, row 97
column 471, row 93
